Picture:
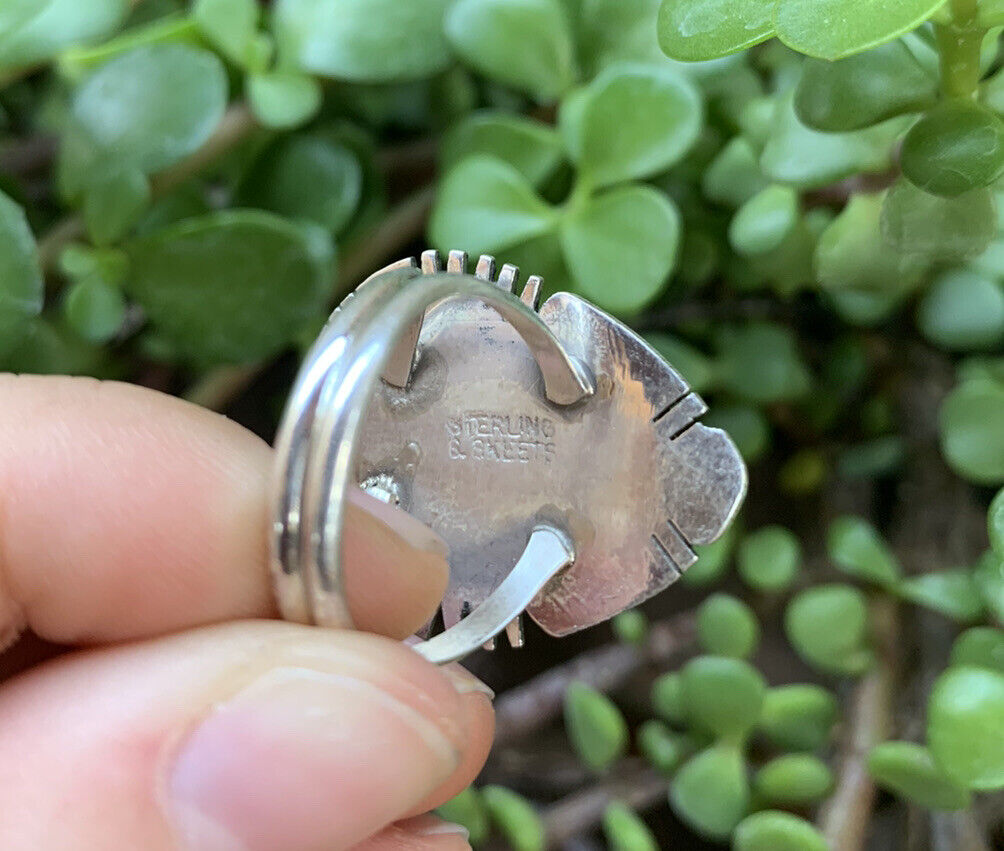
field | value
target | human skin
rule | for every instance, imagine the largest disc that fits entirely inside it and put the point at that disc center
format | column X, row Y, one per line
column 149, row 698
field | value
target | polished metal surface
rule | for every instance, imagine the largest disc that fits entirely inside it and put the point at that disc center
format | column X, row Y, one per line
column 497, row 426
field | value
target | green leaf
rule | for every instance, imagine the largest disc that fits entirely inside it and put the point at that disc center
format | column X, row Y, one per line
column 727, row 627
column 764, row 221
column 94, row 309
column 705, row 29
column 734, row 175
column 468, row 810
column 988, row 574
column 828, row 627
column 595, row 726
column 831, row 29
column 722, row 696
column 871, row 459
column 307, row 176
column 695, row 367
column 953, row 593
column 362, row 40
column 769, row 558
column 614, row 30
column 980, row 647
column 76, row 63
column 963, row 311
column 664, row 748
column 525, row 44
column 760, row 362
column 667, row 698
column 154, row 106
column 233, row 287
column 33, row 31
column 22, row 288
column 282, row 99
column 114, row 202
column 712, row 559
column 995, row 523
column 806, row 158
column 863, row 90
column 852, row 255
column 515, row 818
column 531, row 147
column 484, row 206
column 772, row 830
column 793, row 780
column 658, row 113
column 946, row 229
column 972, row 440
column 909, row 770
column 856, row 547
column 231, row 26
column 965, row 727
column 710, row 792
column 44, row 348
column 621, row 246
column 631, row 627
column 747, row 427
column 626, row 831
column 798, row 717
column 957, row 146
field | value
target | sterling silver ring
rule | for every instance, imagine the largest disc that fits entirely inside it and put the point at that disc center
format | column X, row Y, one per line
column 448, row 395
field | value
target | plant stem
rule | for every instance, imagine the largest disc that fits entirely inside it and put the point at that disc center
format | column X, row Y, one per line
column 844, row 821
column 959, row 44
column 236, row 125
column 538, row 701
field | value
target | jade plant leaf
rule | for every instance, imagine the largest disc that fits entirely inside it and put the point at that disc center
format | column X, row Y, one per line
column 698, row 29
column 484, row 205
column 22, row 288
column 828, row 626
column 726, row 626
column 534, row 149
column 153, row 106
column 965, row 726
column 657, row 113
column 526, row 44
column 628, row 235
column 909, row 770
column 769, row 558
column 971, row 438
column 772, row 830
column 711, row 792
column 362, row 40
column 831, row 29
column 864, row 89
column 232, row 287
column 595, row 726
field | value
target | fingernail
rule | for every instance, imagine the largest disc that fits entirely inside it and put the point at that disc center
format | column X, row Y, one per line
column 414, row 532
column 432, row 826
column 465, row 682
column 304, row 759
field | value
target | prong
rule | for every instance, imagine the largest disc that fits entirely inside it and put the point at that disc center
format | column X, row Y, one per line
column 514, row 632
column 489, row 645
column 485, row 269
column 431, row 262
column 456, row 262
column 508, row 278
column 453, row 611
column 531, row 292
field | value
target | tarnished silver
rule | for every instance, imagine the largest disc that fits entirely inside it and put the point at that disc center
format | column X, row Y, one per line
column 555, row 452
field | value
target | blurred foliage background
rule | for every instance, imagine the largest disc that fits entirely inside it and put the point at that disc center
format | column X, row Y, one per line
column 796, row 201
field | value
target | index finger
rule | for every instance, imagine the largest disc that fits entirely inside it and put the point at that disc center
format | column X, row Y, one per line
column 125, row 513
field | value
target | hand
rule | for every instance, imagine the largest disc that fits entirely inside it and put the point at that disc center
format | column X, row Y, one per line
column 133, row 526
